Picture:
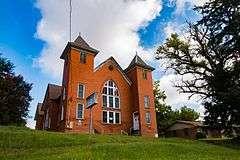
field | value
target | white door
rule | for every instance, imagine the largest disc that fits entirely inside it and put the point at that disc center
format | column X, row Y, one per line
column 135, row 121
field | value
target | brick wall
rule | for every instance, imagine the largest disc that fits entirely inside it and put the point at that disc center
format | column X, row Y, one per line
column 131, row 96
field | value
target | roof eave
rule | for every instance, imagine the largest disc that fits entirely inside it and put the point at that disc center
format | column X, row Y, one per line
column 71, row 44
column 118, row 66
column 139, row 65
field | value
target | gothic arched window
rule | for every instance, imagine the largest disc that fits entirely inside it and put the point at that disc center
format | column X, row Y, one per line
column 110, row 95
column 110, row 100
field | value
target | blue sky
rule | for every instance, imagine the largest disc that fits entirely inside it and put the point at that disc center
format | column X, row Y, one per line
column 24, row 36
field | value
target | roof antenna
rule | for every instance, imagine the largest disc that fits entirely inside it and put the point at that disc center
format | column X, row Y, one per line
column 136, row 57
column 70, row 20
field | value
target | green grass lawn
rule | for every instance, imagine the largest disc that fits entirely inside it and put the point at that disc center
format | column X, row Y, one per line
column 21, row 143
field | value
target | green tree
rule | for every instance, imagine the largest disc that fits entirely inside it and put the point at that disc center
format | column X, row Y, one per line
column 14, row 95
column 188, row 114
column 164, row 113
column 211, row 56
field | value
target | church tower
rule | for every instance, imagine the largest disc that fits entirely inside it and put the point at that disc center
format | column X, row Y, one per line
column 144, row 116
column 78, row 70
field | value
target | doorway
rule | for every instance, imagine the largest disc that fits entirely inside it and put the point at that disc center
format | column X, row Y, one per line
column 135, row 121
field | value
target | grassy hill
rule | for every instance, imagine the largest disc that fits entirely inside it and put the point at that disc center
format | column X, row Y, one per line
column 21, row 143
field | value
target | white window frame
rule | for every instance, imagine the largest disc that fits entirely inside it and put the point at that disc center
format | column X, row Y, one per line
column 49, row 122
column 83, row 90
column 114, row 117
column 114, row 87
column 84, row 56
column 144, row 74
column 148, row 101
column 82, row 111
column 62, row 112
column 46, row 121
column 149, row 118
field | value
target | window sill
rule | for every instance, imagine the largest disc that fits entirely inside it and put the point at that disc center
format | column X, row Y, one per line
column 80, row 98
column 111, row 123
column 79, row 118
column 148, row 125
column 110, row 108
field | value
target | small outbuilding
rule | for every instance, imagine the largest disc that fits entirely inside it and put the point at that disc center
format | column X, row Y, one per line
column 185, row 129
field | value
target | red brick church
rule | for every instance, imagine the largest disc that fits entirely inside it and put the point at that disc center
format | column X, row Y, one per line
column 121, row 101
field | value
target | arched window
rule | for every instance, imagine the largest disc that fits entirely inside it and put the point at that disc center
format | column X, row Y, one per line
column 110, row 100
column 110, row 95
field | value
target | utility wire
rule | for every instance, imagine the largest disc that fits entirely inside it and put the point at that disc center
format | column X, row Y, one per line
column 70, row 20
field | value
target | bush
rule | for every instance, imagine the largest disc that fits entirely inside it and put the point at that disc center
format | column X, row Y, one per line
column 237, row 139
column 200, row 135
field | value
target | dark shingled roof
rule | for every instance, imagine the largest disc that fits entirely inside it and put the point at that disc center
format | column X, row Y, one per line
column 79, row 43
column 38, row 111
column 179, row 125
column 54, row 91
column 194, row 123
column 137, row 61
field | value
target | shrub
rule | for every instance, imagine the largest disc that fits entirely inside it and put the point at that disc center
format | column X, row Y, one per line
column 200, row 135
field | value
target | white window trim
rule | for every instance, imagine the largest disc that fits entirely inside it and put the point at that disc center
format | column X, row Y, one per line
column 82, row 111
column 114, row 117
column 49, row 122
column 144, row 71
column 62, row 113
column 148, row 98
column 84, row 55
column 46, row 121
column 108, row 95
column 149, row 118
column 83, row 90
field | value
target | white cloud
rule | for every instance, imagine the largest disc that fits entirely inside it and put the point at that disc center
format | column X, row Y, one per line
column 174, row 98
column 109, row 26
column 31, row 123
column 181, row 4
column 174, row 27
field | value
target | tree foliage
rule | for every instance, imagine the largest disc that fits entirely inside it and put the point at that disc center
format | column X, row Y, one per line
column 14, row 95
column 210, row 56
column 165, row 115
column 187, row 114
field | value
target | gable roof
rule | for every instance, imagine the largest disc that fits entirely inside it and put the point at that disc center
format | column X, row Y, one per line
column 137, row 61
column 79, row 43
column 194, row 123
column 54, row 91
column 117, row 65
column 38, row 111
column 179, row 125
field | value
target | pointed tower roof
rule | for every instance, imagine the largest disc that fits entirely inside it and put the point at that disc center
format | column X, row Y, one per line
column 137, row 61
column 79, row 43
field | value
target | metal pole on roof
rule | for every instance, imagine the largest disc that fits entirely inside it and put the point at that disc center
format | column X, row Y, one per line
column 70, row 20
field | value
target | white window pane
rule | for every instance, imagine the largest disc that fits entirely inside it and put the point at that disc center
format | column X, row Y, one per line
column 104, row 101
column 110, row 102
column 116, row 102
column 104, row 116
column 80, row 111
column 110, row 83
column 146, row 101
column 81, row 91
column 110, row 91
column 110, row 117
column 117, row 118
column 148, row 118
